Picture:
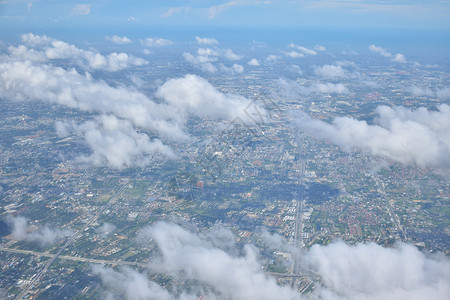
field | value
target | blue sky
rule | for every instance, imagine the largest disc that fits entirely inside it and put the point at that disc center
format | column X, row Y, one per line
column 431, row 14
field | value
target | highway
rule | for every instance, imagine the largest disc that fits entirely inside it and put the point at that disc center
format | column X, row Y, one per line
column 298, row 227
column 75, row 258
column 148, row 266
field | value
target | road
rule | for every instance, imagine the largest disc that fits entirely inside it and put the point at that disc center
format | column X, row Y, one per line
column 69, row 241
column 392, row 214
column 148, row 266
column 298, row 227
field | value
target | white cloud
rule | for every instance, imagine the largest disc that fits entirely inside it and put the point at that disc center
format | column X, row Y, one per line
column 106, row 228
column 253, row 62
column 24, row 81
column 417, row 91
column 201, row 61
column 35, row 40
column 272, row 58
column 296, row 69
column 294, row 90
column 232, row 277
column 81, row 9
column 379, row 50
column 45, row 235
column 331, row 88
column 206, row 56
column 213, row 11
column 304, row 50
column 331, row 71
column 399, row 58
column 129, row 284
column 118, row 40
column 319, row 48
column 364, row 271
column 419, row 136
column 116, row 142
column 195, row 95
column 119, row 136
column 206, row 41
column 23, row 53
column 228, row 54
column 175, row 10
column 294, row 54
column 50, row 49
column 442, row 94
column 156, row 42
column 234, row 69
column 369, row 271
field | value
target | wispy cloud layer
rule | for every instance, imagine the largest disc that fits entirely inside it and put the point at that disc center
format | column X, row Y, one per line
column 294, row 90
column 440, row 93
column 156, row 42
column 206, row 41
column 45, row 236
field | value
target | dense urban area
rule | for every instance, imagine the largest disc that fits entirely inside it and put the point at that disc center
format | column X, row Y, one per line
column 259, row 177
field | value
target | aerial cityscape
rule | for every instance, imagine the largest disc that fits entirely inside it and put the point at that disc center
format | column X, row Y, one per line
column 225, row 150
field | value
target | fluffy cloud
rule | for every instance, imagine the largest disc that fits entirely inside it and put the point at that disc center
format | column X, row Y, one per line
column 129, row 284
column 400, row 58
column 212, row 259
column 331, row 71
column 253, row 62
column 419, row 136
column 206, row 41
column 156, row 42
column 228, row 54
column 369, row 271
column 118, row 40
column 379, row 50
column 195, row 95
column 233, row 277
column 206, row 56
column 294, row 54
column 294, row 90
column 442, row 94
column 234, row 69
column 25, row 81
column 118, row 137
column 49, row 49
column 272, row 58
column 44, row 236
column 115, row 142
